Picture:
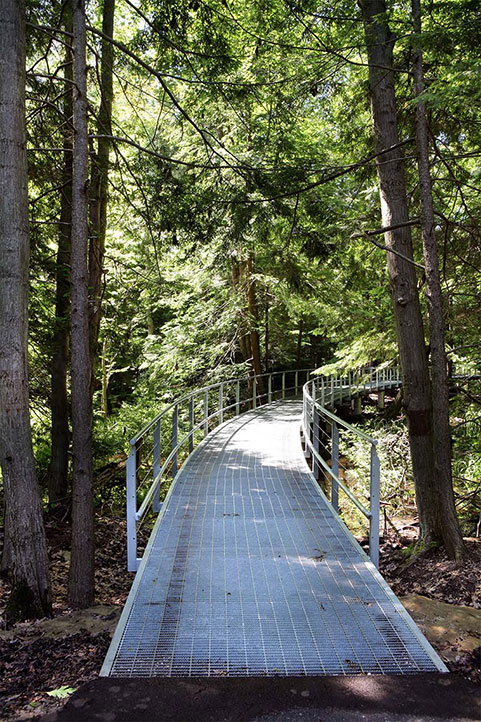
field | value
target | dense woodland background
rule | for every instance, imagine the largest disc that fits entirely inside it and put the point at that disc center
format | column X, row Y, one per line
column 203, row 202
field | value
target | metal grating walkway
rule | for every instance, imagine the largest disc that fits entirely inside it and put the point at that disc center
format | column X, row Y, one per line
column 250, row 572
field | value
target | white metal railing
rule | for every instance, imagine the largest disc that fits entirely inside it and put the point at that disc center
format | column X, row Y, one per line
column 319, row 422
column 154, row 451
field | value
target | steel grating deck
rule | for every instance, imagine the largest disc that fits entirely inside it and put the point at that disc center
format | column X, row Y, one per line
column 250, row 572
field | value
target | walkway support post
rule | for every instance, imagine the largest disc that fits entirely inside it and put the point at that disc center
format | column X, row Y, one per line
column 156, row 469
column 283, row 384
column 254, row 393
column 296, row 382
column 334, row 466
column 132, row 509
column 237, row 398
column 221, row 403
column 175, row 428
column 374, row 507
column 269, row 388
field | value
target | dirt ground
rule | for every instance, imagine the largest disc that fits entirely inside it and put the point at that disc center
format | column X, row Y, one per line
column 41, row 657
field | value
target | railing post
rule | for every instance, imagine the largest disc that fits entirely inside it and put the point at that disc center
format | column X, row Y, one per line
column 269, row 388
column 206, row 413
column 221, row 403
column 175, row 424
column 323, row 391
column 191, row 424
column 334, row 465
column 349, row 381
column 296, row 382
column 315, row 434
column 156, row 468
column 374, row 507
column 254, row 393
column 283, row 384
column 237, row 398
column 132, row 563
column 332, row 391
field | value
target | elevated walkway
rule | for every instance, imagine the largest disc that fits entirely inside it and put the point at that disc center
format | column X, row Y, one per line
column 250, row 572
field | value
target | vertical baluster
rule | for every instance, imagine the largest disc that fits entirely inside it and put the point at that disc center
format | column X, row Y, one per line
column 132, row 563
column 269, row 388
column 374, row 507
column 221, row 403
column 283, row 384
column 334, row 465
column 175, row 429
column 254, row 393
column 191, row 424
column 156, row 470
column 206, row 413
column 296, row 382
column 315, row 433
column 237, row 398
column 323, row 392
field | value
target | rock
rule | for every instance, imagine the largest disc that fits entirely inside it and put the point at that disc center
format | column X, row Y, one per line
column 445, row 625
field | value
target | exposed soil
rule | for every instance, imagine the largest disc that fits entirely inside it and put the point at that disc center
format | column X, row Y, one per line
column 434, row 576
column 41, row 656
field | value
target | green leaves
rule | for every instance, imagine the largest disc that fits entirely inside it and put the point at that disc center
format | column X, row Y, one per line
column 61, row 692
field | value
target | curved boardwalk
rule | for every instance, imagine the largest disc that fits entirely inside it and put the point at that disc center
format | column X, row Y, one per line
column 250, row 572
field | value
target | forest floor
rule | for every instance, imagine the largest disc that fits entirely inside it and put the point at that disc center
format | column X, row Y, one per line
column 42, row 662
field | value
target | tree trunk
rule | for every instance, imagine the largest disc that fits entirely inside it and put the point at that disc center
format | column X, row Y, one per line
column 81, row 577
column 266, row 332
column 299, row 341
column 26, row 543
column 444, row 522
column 254, row 322
column 238, row 280
column 99, row 184
column 402, row 278
column 60, row 434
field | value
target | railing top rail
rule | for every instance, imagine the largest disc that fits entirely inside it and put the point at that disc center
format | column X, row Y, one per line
column 196, row 392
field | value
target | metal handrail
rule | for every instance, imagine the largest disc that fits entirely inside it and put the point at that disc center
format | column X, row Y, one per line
column 332, row 389
column 151, row 434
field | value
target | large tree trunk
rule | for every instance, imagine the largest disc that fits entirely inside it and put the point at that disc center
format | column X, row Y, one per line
column 402, row 278
column 444, row 520
column 24, row 524
column 81, row 577
column 99, row 184
column 58, row 468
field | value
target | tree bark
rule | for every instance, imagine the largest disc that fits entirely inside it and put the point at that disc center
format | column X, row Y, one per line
column 81, row 577
column 299, row 341
column 402, row 278
column 60, row 433
column 99, row 184
column 254, row 323
column 444, row 522
column 26, row 544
